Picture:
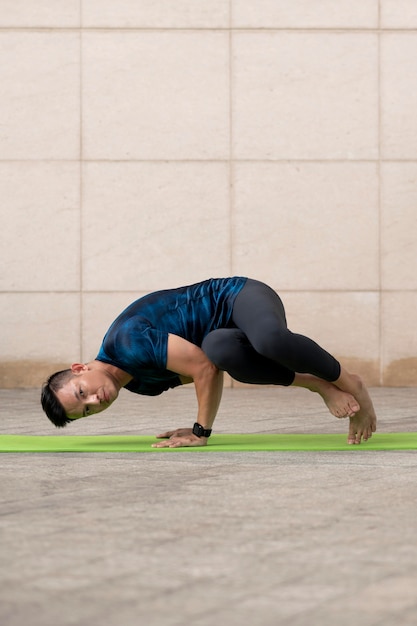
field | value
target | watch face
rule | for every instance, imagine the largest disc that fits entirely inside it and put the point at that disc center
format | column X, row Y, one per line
column 198, row 430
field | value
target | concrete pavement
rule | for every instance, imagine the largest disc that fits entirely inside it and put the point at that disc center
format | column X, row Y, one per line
column 172, row 539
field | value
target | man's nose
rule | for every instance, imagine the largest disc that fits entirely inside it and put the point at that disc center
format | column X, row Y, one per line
column 93, row 399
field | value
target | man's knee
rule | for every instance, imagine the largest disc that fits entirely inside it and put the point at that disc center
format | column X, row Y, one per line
column 225, row 347
column 275, row 344
column 215, row 347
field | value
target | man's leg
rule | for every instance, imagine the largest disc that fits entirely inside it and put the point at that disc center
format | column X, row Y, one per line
column 260, row 314
column 258, row 311
column 230, row 351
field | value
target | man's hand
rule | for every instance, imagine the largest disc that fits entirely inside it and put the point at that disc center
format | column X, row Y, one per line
column 178, row 432
column 179, row 438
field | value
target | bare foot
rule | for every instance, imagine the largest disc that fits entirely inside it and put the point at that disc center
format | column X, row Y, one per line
column 340, row 403
column 363, row 424
column 346, row 397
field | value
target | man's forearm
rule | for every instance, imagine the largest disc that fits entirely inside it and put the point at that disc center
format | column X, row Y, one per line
column 209, row 389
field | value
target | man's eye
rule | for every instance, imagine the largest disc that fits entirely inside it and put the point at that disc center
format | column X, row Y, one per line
column 81, row 392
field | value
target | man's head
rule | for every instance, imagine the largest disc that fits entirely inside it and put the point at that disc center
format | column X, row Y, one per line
column 50, row 403
column 83, row 390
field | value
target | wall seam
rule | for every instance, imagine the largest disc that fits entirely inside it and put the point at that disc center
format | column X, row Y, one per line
column 246, row 30
column 231, row 185
column 231, row 170
column 81, row 183
column 380, row 337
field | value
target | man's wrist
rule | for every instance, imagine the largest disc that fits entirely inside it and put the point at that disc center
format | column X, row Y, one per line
column 200, row 431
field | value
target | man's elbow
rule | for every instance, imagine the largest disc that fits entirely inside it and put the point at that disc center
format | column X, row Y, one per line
column 207, row 371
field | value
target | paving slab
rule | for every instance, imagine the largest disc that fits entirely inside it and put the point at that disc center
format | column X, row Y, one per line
column 263, row 538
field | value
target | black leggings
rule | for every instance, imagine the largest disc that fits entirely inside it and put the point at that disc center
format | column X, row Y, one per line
column 259, row 348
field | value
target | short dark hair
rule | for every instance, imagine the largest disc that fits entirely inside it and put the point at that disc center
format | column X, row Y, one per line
column 50, row 403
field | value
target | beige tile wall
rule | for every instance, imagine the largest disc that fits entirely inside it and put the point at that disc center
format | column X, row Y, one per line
column 146, row 144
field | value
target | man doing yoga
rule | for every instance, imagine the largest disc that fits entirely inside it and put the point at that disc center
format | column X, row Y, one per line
column 194, row 334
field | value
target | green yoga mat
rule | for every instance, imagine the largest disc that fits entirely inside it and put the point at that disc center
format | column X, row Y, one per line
column 217, row 443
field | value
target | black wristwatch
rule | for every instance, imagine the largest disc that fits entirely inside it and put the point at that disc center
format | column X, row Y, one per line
column 200, row 431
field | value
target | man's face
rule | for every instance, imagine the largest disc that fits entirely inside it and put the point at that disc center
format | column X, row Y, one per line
column 89, row 391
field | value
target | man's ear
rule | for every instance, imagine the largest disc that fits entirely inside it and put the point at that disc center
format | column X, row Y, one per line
column 78, row 368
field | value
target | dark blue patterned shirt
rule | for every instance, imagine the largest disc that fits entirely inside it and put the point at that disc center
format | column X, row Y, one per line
column 137, row 340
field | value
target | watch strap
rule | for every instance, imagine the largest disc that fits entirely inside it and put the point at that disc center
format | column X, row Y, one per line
column 200, row 431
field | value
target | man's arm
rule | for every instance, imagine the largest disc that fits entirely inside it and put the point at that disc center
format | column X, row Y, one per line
column 190, row 362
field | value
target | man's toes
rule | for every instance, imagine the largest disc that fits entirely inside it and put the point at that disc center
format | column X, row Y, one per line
column 351, row 437
column 354, row 437
column 368, row 433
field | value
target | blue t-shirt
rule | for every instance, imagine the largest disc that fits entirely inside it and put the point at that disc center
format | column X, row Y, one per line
column 137, row 340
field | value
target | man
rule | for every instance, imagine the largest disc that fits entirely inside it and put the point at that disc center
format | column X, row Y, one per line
column 194, row 334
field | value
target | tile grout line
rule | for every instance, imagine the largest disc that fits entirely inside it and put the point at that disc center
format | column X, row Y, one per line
column 254, row 161
column 379, row 200
column 231, row 169
column 231, row 383
column 245, row 30
column 81, row 186
column 282, row 290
